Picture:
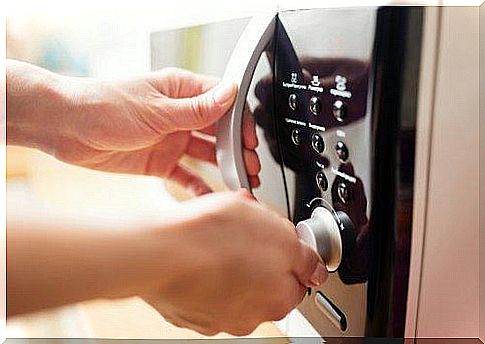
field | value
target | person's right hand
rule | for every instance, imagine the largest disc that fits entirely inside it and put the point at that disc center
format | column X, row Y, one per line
column 237, row 264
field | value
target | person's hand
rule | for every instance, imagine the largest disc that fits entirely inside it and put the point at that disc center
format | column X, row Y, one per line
column 143, row 125
column 236, row 265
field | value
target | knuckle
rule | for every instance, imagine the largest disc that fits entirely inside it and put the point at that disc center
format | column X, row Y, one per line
column 229, row 205
column 199, row 112
column 278, row 316
column 243, row 331
column 235, row 201
column 208, row 332
column 279, row 307
column 280, row 311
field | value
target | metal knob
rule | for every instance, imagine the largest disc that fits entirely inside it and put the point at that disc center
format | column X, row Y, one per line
column 322, row 232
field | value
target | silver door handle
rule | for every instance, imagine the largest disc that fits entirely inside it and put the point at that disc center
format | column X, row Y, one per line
column 255, row 38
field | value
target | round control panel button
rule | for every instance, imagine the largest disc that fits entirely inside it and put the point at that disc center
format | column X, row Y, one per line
column 321, row 181
column 296, row 136
column 342, row 151
column 317, row 143
column 339, row 110
column 343, row 192
column 322, row 232
column 315, row 105
column 293, row 101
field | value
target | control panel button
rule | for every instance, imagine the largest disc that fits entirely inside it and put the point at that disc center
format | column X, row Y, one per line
column 296, row 136
column 321, row 180
column 322, row 233
column 339, row 110
column 315, row 105
column 293, row 101
column 343, row 192
column 331, row 233
column 342, row 151
column 317, row 143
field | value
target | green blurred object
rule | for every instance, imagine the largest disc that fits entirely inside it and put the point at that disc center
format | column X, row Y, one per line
column 190, row 49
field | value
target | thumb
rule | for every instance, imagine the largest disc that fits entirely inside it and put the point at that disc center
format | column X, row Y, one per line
column 309, row 268
column 203, row 110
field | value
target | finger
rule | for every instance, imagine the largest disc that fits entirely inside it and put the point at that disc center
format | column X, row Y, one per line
column 200, row 111
column 189, row 180
column 243, row 330
column 298, row 294
column 210, row 130
column 250, row 139
column 251, row 159
column 197, row 323
column 290, row 295
column 202, row 149
column 308, row 266
column 254, row 181
column 264, row 90
column 302, row 292
column 182, row 323
column 181, row 83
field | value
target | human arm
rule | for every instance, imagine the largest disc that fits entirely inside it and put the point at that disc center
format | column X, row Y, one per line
column 221, row 262
column 141, row 125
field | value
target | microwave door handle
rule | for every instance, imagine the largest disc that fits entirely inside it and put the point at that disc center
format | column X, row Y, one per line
column 257, row 35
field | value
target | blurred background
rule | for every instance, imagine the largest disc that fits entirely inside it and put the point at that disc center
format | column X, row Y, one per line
column 111, row 42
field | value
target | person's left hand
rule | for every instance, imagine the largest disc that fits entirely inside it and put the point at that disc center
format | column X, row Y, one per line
column 145, row 125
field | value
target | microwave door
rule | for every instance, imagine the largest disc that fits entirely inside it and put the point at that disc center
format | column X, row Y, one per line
column 208, row 49
column 251, row 66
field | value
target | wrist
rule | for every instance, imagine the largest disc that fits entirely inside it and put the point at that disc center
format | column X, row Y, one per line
column 149, row 258
column 170, row 252
column 36, row 106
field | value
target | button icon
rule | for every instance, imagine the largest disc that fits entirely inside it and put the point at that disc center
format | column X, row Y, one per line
column 315, row 105
column 293, row 101
column 296, row 136
column 315, row 81
column 321, row 181
column 317, row 143
column 340, row 82
column 339, row 110
column 342, row 151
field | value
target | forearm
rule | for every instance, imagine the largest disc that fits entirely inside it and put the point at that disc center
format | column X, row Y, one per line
column 53, row 261
column 36, row 105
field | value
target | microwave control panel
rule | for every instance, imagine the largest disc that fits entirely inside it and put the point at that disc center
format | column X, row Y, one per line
column 323, row 122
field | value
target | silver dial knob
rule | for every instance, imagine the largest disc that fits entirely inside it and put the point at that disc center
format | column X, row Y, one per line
column 322, row 232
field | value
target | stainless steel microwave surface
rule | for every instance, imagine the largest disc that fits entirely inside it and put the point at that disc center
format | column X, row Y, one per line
column 334, row 100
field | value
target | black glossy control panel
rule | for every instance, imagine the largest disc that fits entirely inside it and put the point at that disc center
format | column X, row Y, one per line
column 323, row 124
column 342, row 131
column 321, row 109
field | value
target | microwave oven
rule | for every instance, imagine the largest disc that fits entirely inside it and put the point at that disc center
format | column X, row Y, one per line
column 367, row 121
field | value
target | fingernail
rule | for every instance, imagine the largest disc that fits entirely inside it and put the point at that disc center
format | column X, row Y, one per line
column 319, row 275
column 223, row 93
